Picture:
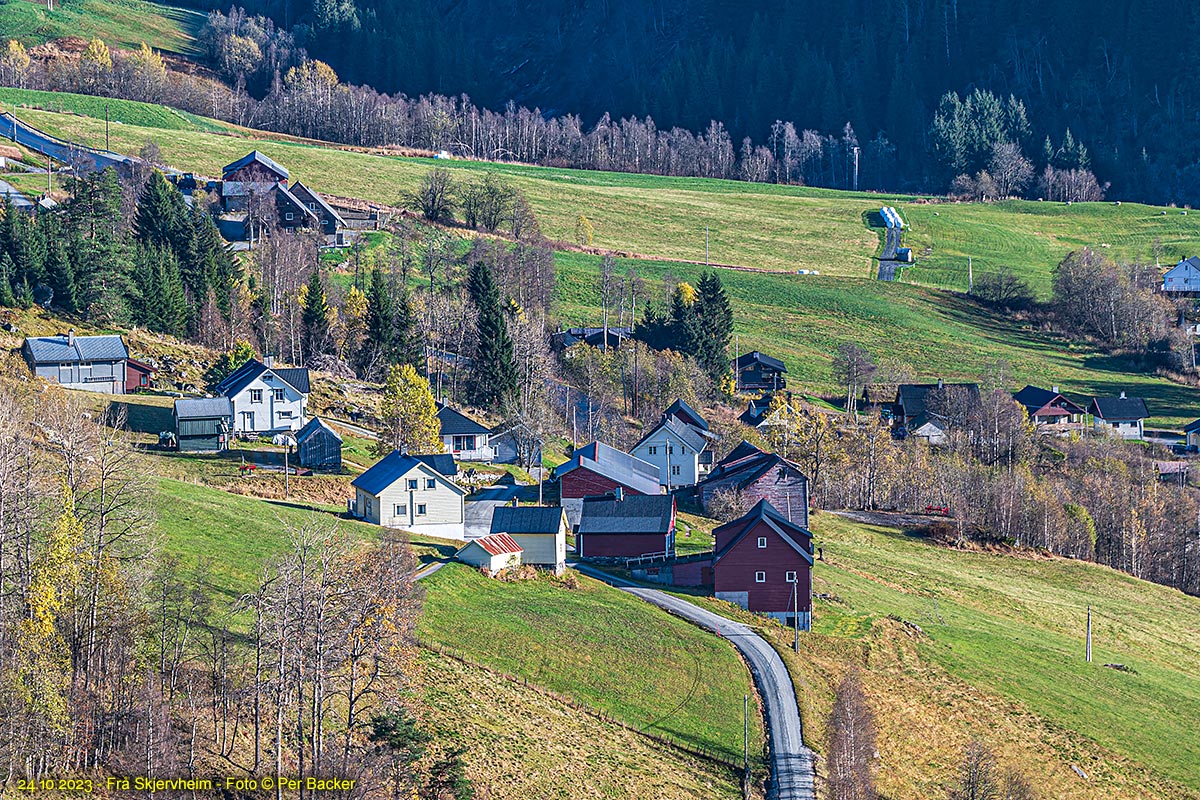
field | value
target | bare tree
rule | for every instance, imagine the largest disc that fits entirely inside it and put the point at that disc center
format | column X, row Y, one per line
column 435, row 196
column 851, row 743
column 853, row 367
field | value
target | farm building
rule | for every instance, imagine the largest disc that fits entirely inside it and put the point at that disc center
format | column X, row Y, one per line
column 493, row 553
column 763, row 563
column 540, row 531
column 758, row 371
column 626, row 526
column 462, row 436
column 319, row 446
column 91, row 363
column 925, row 409
column 203, row 424
column 595, row 469
column 754, row 475
column 254, row 174
column 138, row 375
column 515, row 443
column 403, row 491
column 1049, row 407
column 328, row 217
column 1121, row 416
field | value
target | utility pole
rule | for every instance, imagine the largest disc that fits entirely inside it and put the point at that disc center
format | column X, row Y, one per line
column 856, row 149
column 1089, row 635
column 706, row 246
column 107, row 146
column 796, row 610
column 286, row 472
column 745, row 735
column 737, row 375
column 49, row 174
column 970, row 275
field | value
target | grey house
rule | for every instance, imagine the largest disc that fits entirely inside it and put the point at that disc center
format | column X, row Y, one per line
column 319, row 446
column 91, row 363
column 202, row 425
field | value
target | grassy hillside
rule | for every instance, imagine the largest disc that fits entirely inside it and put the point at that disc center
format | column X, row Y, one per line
column 1000, row 657
column 600, row 645
column 120, row 112
column 120, row 23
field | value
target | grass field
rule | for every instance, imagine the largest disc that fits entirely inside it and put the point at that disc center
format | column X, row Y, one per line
column 120, row 23
column 120, row 112
column 601, row 646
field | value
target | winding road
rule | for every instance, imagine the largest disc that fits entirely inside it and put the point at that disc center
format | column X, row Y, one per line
column 791, row 761
column 62, row 151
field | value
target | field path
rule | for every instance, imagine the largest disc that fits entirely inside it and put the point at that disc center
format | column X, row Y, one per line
column 791, row 761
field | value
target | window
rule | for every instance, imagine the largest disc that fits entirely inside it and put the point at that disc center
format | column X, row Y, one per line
column 790, row 577
column 401, row 510
column 285, row 414
column 674, row 469
column 760, row 577
column 277, row 394
column 670, row 449
column 682, row 450
column 256, row 395
column 288, row 216
column 463, row 443
column 412, row 484
column 420, row 509
column 762, row 542
column 431, row 483
column 312, row 206
column 367, row 507
column 653, row 451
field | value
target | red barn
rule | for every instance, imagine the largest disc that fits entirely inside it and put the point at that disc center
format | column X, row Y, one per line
column 597, row 469
column 763, row 563
column 755, row 475
column 626, row 526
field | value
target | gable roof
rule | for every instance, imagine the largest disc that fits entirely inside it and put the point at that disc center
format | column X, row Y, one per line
column 1035, row 398
column 649, row 514
column 741, row 452
column 141, row 366
column 1187, row 272
column 1118, row 408
column 495, row 544
column 623, row 468
column 60, row 349
column 255, row 156
column 285, row 192
column 913, row 397
column 455, row 423
column 747, row 469
column 203, row 407
column 394, row 466
column 243, row 376
column 747, row 360
column 755, row 411
column 314, row 426
column 442, row 463
column 527, row 519
column 685, row 413
column 763, row 511
column 688, row 435
column 1192, row 427
column 299, row 190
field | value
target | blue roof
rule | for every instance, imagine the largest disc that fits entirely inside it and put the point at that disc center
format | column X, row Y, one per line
column 244, row 375
column 391, row 468
column 61, row 350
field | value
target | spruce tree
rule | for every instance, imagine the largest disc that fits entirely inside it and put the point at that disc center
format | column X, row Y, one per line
column 715, row 316
column 685, row 327
column 494, row 383
column 161, row 218
column 315, row 317
column 60, row 273
column 379, row 343
column 408, row 339
column 7, row 299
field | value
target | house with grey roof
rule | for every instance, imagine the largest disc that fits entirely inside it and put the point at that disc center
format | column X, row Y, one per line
column 1121, row 416
column 626, row 526
column 753, row 474
column 203, row 424
column 91, row 363
column 403, row 491
column 266, row 399
column 757, row 371
column 462, row 436
column 541, row 531
column 328, row 217
column 681, row 450
column 1183, row 279
column 597, row 468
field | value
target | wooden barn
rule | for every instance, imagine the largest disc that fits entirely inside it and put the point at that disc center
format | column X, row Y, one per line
column 319, row 446
column 541, row 532
column 758, row 475
column 626, row 526
column 763, row 563
column 493, row 553
column 596, row 469
column 203, row 424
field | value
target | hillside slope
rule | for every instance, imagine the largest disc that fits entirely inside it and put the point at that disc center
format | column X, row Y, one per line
column 120, row 23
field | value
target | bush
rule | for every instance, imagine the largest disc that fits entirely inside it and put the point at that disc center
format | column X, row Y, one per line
column 1003, row 289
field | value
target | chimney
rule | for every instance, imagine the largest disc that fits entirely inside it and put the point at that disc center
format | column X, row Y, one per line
column 1122, row 395
column 1054, row 389
column 514, row 502
column 71, row 338
column 619, row 494
column 941, row 383
column 268, row 361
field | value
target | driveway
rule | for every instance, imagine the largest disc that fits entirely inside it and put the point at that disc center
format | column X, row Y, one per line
column 480, row 506
column 791, row 761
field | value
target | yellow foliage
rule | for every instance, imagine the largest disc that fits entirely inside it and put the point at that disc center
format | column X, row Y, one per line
column 15, row 57
column 409, row 414
column 149, row 61
column 97, row 54
column 687, row 292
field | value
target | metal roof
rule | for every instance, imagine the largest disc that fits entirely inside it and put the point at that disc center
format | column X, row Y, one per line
column 686, row 413
column 1118, row 408
column 746, row 359
column 243, row 376
column 631, row 514
column 527, row 519
column 685, row 433
column 455, row 423
column 496, row 544
column 299, row 188
column 254, row 155
column 763, row 511
column 1035, row 398
column 623, row 468
column 391, row 468
column 203, row 408
column 315, row 425
column 60, row 349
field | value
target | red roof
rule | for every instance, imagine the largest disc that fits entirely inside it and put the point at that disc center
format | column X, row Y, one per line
column 498, row 544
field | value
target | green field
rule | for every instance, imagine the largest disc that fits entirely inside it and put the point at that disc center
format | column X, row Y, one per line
column 600, row 645
column 120, row 23
column 1013, row 627
column 120, row 112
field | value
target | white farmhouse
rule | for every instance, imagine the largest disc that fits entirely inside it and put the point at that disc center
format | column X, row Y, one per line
column 1183, row 278
column 410, row 493
column 679, row 445
column 266, row 399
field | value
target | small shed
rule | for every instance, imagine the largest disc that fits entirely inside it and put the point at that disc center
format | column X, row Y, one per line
column 494, row 552
column 138, row 375
column 202, row 424
column 319, row 446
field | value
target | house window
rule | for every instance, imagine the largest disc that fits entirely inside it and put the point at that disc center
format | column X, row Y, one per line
column 420, row 509
column 285, row 414
column 464, row 443
column 653, row 451
column 674, row 469
column 682, row 450
column 367, row 508
column 288, row 216
column 760, row 577
column 790, row 577
column 670, row 449
column 762, row 542
column 412, row 484
column 256, row 395
column 277, row 394
column 401, row 510
column 431, row 483
column 312, row 206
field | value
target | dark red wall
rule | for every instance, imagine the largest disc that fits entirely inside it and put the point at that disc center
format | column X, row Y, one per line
column 582, row 482
column 619, row 545
column 735, row 571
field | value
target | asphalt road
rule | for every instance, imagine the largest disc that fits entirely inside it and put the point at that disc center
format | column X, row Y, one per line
column 61, row 151
column 12, row 193
column 791, row 761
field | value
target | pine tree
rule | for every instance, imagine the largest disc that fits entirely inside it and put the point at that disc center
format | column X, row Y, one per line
column 715, row 317
column 161, row 304
column 685, row 327
column 408, row 340
column 494, row 383
column 315, row 318
column 381, row 322
column 7, row 299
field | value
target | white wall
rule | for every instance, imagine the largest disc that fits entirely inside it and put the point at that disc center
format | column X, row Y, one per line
column 443, row 506
column 270, row 415
column 665, row 450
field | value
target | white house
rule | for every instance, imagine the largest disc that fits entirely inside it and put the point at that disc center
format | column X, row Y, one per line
column 1183, row 278
column 266, row 399
column 494, row 552
column 462, row 436
column 678, row 450
column 408, row 492
column 1121, row 416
